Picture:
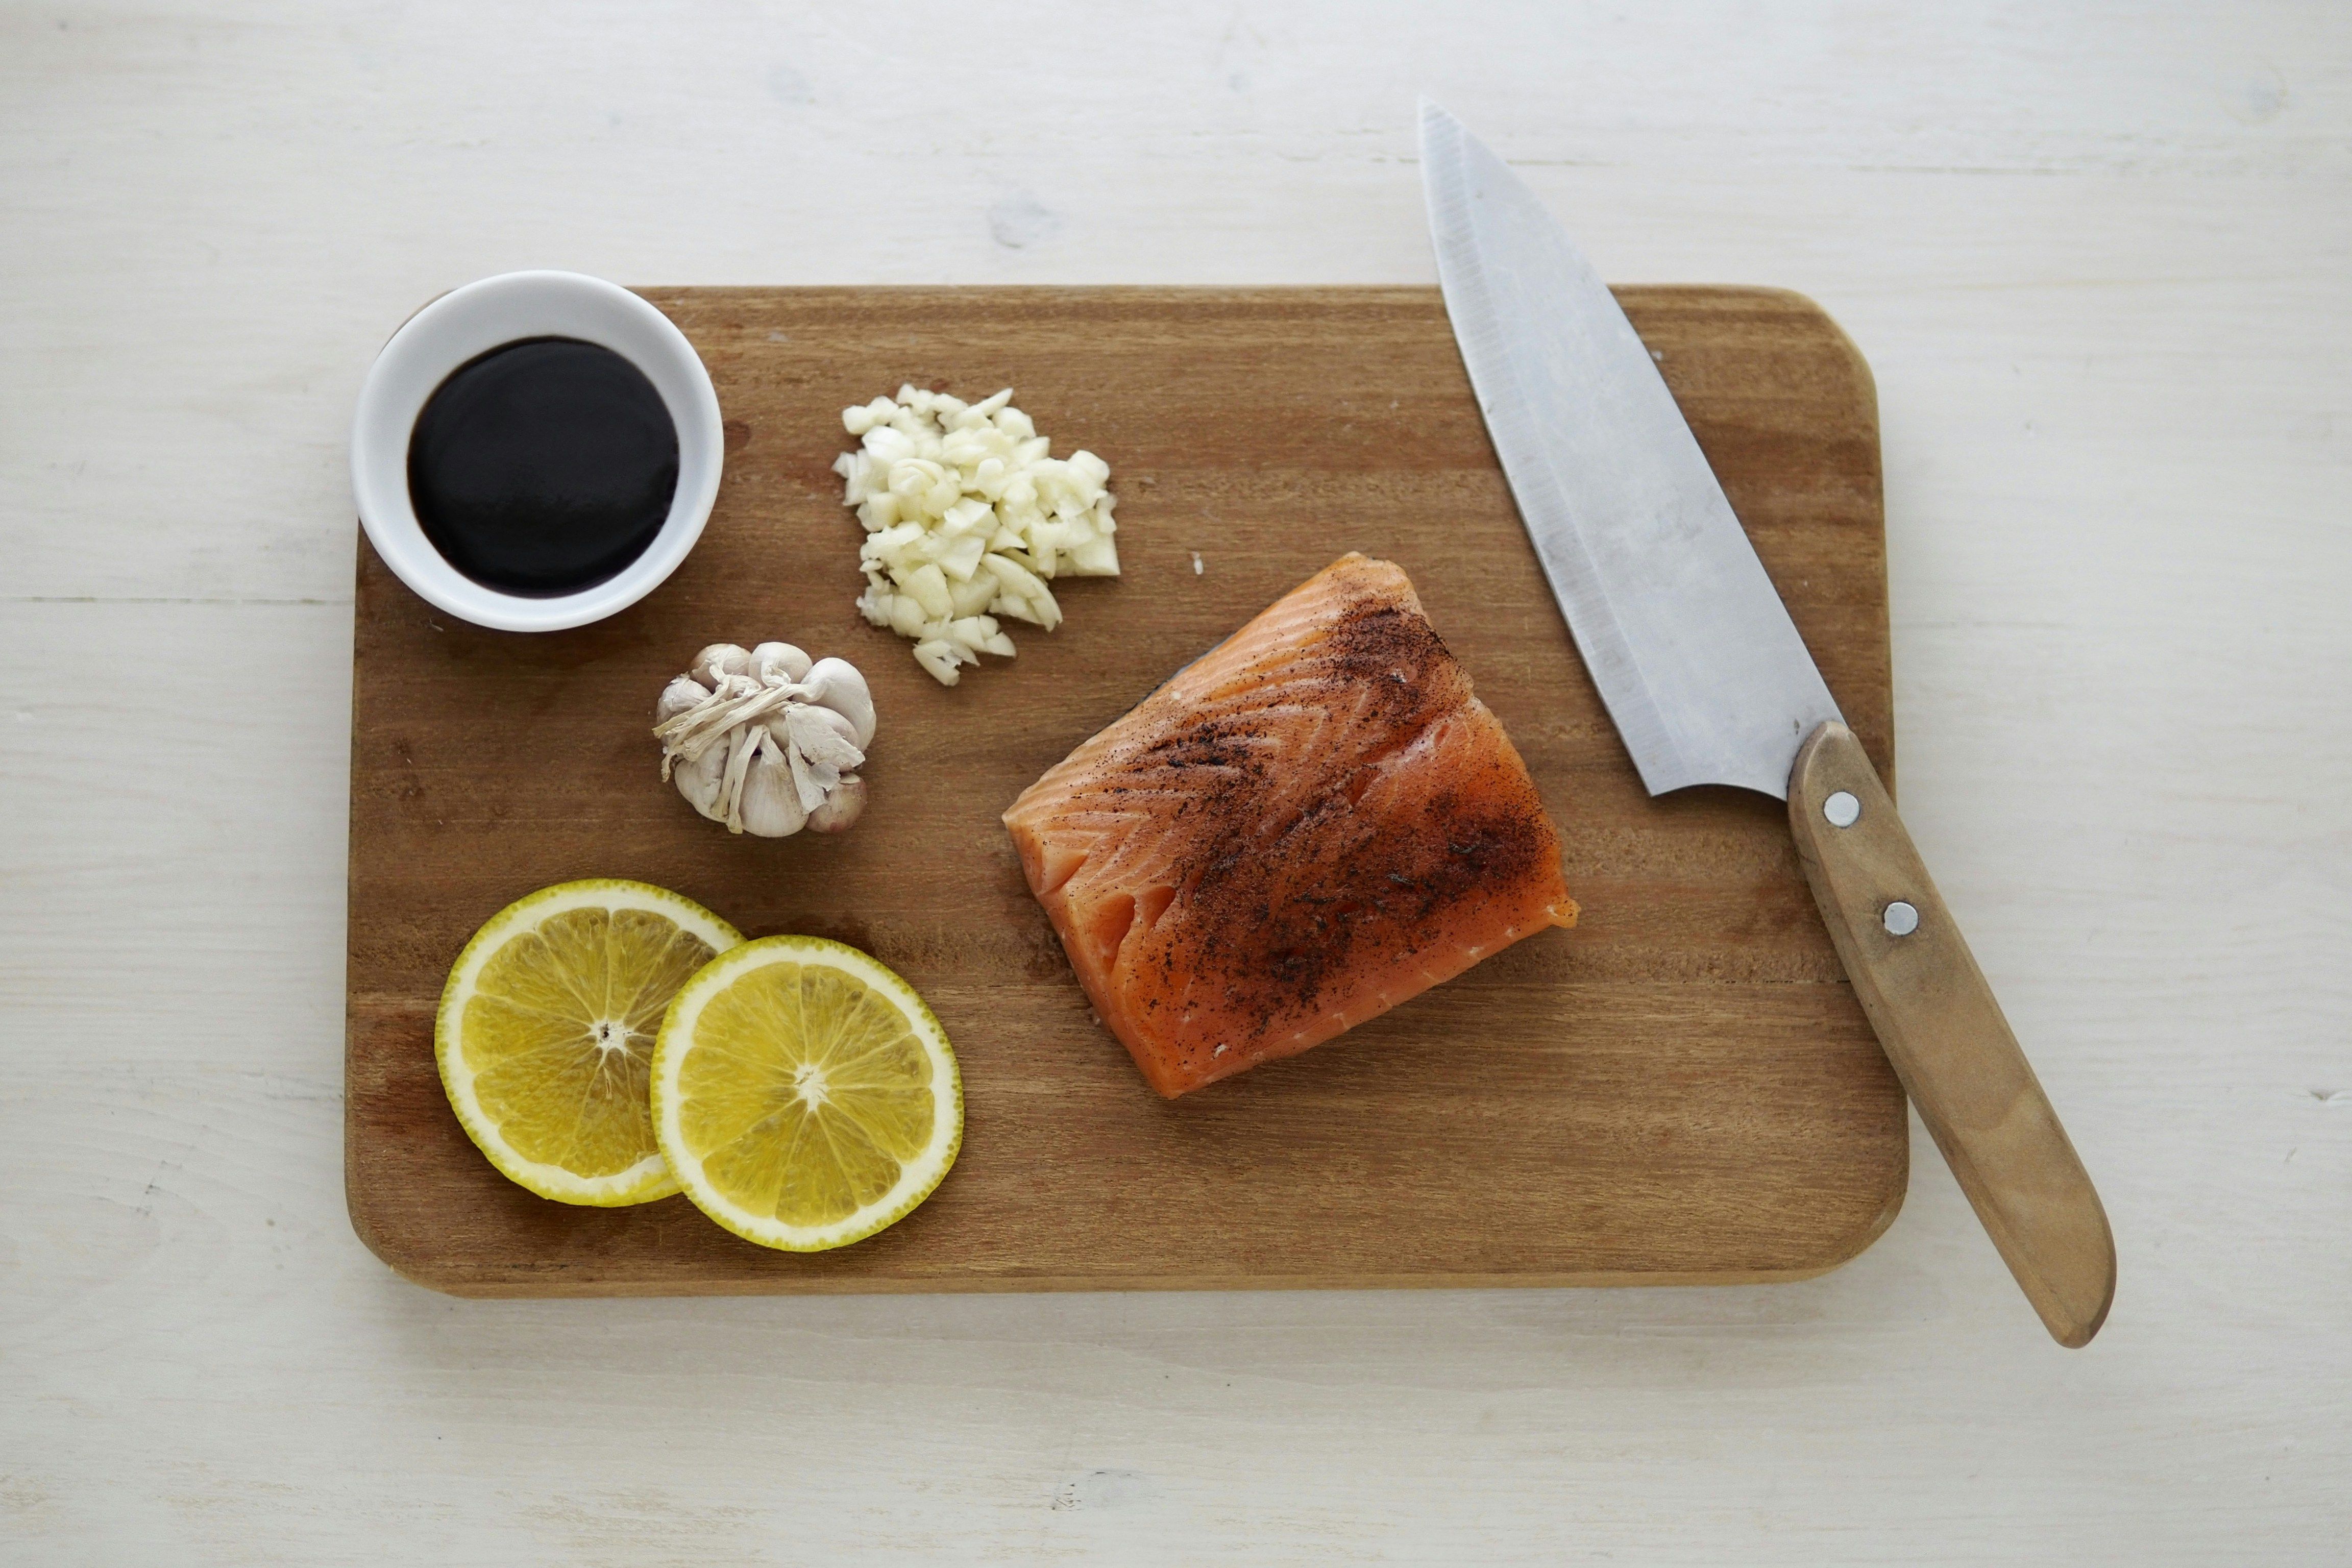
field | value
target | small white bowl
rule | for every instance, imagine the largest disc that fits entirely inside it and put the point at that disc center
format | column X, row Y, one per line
column 473, row 321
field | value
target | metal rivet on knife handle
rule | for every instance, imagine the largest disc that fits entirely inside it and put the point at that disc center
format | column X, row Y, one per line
column 1900, row 919
column 1841, row 809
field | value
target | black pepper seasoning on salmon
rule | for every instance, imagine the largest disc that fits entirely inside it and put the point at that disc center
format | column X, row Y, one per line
column 1313, row 821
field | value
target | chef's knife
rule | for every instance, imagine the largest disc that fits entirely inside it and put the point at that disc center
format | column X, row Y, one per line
column 1709, row 683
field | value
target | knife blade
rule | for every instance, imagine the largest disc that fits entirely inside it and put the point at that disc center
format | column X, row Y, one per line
column 1708, row 683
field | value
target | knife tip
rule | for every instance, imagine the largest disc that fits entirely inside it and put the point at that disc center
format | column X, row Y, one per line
column 1438, row 129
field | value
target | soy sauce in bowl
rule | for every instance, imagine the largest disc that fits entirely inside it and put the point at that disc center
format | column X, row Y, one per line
column 543, row 466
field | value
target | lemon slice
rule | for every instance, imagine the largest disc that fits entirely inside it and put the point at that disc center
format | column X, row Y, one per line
column 547, row 1028
column 804, row 1094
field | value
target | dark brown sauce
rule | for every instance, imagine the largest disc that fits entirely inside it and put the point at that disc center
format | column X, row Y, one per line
column 543, row 466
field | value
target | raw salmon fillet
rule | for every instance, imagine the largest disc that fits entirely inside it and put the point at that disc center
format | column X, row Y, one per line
column 1313, row 822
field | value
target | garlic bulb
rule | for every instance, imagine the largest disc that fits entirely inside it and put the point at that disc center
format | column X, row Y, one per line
column 767, row 741
column 967, row 517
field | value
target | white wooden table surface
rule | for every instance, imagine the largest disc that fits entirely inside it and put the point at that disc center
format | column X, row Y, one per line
column 2099, row 257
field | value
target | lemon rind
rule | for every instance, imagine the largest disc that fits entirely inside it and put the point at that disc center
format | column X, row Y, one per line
column 647, row 1181
column 915, row 1183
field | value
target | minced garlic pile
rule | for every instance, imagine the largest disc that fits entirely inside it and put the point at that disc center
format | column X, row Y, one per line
column 966, row 519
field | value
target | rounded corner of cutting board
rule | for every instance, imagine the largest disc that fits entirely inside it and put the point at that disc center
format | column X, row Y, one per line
column 1885, row 1162
column 405, row 1255
column 1847, row 1246
column 1773, row 317
column 1865, row 388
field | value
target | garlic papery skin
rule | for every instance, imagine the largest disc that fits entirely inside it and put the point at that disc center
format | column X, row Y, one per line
column 678, row 696
column 769, row 806
column 783, row 656
column 766, row 740
column 968, row 518
column 714, row 664
column 834, row 683
column 699, row 781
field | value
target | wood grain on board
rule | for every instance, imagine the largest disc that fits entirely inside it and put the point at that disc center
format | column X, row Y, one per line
column 1682, row 1088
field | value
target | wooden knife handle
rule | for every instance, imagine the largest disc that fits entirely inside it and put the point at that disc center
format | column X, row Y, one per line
column 1946, row 1036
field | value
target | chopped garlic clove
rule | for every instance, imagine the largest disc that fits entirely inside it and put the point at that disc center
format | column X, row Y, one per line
column 961, row 558
column 892, row 540
column 906, row 617
column 937, row 656
column 1097, row 557
column 974, row 594
column 887, row 444
column 1020, row 583
column 928, row 586
column 969, row 517
column 1020, row 610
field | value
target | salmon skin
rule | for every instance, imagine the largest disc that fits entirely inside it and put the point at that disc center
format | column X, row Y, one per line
column 1312, row 823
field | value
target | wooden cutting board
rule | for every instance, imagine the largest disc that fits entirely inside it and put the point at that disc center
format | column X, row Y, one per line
column 1681, row 1089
